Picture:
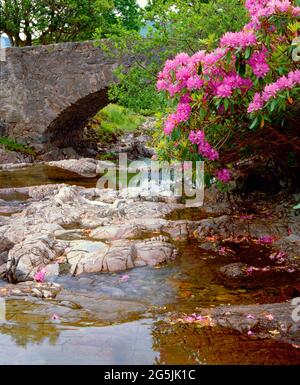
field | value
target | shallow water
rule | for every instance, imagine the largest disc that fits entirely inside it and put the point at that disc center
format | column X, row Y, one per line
column 109, row 319
column 123, row 318
column 40, row 174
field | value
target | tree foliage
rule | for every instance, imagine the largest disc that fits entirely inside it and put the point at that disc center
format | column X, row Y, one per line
column 51, row 21
column 169, row 27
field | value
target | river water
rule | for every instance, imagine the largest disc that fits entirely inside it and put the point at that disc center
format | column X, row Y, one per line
column 125, row 318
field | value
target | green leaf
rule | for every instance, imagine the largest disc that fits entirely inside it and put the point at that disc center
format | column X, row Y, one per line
column 273, row 105
column 226, row 104
column 297, row 207
column 254, row 123
column 248, row 53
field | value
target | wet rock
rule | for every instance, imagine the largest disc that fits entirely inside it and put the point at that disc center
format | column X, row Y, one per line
column 227, row 226
column 289, row 245
column 52, row 272
column 234, row 270
column 262, row 321
column 13, row 156
column 44, row 191
column 5, row 244
column 9, row 208
column 181, row 230
column 70, row 235
column 219, row 226
column 153, row 252
column 59, row 154
column 121, row 255
column 31, row 255
column 85, row 167
column 81, row 250
column 17, row 229
column 14, row 166
column 22, row 192
column 30, row 288
column 115, row 232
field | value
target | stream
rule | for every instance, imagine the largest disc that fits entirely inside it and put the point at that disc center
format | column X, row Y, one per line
column 125, row 318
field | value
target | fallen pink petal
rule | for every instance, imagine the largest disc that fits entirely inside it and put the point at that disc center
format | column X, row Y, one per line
column 40, row 276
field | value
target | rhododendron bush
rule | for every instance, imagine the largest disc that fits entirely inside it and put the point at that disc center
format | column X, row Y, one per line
column 243, row 85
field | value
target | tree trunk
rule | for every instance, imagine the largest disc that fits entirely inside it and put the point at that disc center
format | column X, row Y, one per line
column 27, row 32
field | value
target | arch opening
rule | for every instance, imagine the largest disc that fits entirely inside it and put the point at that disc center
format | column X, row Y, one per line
column 67, row 129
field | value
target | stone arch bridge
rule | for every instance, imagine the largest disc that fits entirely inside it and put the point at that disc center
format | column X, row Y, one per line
column 47, row 93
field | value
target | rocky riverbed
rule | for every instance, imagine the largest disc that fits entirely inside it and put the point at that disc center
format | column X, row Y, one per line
column 228, row 270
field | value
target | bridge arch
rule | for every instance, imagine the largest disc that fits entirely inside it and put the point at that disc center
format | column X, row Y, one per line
column 49, row 92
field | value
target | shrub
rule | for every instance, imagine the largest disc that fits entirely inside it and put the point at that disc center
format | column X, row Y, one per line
column 244, row 85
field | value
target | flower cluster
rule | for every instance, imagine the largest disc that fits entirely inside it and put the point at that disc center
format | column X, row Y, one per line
column 260, row 9
column 223, row 175
column 238, row 39
column 258, row 63
column 182, row 114
column 204, row 148
column 272, row 90
column 230, row 83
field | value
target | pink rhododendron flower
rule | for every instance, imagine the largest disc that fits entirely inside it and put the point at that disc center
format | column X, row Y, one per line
column 238, row 39
column 224, row 91
column 223, row 175
column 258, row 62
column 194, row 83
column 222, row 250
column 271, row 90
column 250, row 270
column 40, row 276
column 204, row 148
column 279, row 257
column 196, row 137
column 124, row 278
column 247, row 217
column 266, row 240
column 256, row 104
column 270, row 317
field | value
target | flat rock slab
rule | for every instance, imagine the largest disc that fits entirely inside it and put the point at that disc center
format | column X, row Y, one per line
column 34, row 289
column 118, row 255
column 259, row 321
column 84, row 167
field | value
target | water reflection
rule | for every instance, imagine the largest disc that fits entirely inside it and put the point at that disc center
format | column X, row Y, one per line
column 126, row 344
column 40, row 174
column 26, row 325
column 184, row 344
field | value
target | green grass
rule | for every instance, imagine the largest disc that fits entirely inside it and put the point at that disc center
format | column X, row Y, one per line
column 12, row 145
column 113, row 121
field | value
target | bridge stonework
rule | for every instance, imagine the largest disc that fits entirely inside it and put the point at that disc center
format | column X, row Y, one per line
column 48, row 93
